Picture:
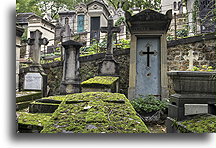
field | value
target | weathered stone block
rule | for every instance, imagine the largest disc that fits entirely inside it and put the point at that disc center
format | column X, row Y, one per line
column 101, row 83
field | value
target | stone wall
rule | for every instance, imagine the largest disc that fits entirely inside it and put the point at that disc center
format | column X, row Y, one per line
column 89, row 67
column 203, row 47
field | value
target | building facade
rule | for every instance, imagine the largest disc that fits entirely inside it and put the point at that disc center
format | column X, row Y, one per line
column 87, row 19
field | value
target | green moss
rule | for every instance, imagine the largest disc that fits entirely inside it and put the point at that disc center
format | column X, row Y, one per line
column 27, row 96
column 100, row 80
column 60, row 98
column 94, row 112
column 201, row 124
column 37, row 119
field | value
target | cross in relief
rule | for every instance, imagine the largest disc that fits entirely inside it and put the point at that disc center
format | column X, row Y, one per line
column 110, row 29
column 148, row 53
column 35, row 41
column 191, row 58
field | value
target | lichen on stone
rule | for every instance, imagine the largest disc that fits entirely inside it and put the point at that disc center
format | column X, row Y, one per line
column 38, row 119
column 91, row 113
column 201, row 124
column 100, row 80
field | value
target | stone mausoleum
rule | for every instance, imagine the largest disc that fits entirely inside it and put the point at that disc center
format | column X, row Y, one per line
column 87, row 19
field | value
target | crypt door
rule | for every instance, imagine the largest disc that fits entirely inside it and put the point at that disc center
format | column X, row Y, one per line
column 95, row 28
column 148, row 67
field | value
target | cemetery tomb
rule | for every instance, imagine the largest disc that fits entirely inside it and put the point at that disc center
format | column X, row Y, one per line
column 101, row 84
column 46, row 105
column 32, row 123
column 95, row 112
column 24, row 98
column 204, row 123
column 148, row 61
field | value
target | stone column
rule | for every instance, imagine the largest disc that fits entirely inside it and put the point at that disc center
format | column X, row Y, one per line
column 70, row 79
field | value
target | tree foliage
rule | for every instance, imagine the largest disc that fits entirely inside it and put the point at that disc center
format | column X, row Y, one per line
column 127, row 4
column 48, row 6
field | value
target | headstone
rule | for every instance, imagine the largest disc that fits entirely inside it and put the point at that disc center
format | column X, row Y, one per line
column 70, row 79
column 109, row 66
column 35, row 77
column 191, row 57
column 148, row 61
column 35, row 41
column 33, row 81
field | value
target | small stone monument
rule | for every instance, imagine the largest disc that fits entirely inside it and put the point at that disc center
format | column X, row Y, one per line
column 35, row 78
column 191, row 57
column 109, row 66
column 148, row 53
column 70, row 79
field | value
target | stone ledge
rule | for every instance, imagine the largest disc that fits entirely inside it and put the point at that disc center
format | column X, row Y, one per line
column 102, row 55
column 191, row 39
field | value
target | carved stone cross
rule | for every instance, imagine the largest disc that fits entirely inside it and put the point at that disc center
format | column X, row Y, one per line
column 110, row 29
column 35, row 41
column 148, row 53
column 191, row 58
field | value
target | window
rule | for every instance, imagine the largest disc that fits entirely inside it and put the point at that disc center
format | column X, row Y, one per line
column 174, row 5
column 80, row 23
column 67, row 20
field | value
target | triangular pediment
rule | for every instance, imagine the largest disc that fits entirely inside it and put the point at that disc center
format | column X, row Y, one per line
column 150, row 15
column 148, row 20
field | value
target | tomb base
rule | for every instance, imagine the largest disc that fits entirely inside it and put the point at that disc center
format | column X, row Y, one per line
column 176, row 107
column 108, row 67
column 70, row 87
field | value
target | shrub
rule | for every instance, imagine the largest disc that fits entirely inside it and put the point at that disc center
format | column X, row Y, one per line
column 148, row 104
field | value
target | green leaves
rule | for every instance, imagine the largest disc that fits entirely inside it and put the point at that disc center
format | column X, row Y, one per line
column 148, row 104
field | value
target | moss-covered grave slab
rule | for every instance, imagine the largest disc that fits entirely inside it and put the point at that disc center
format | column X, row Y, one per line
column 204, row 123
column 95, row 112
column 27, row 96
column 46, row 105
column 101, row 84
column 24, row 98
column 32, row 123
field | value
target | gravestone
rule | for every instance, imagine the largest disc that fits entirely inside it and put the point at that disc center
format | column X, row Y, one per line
column 191, row 57
column 148, row 53
column 109, row 66
column 35, row 78
column 33, row 81
column 70, row 79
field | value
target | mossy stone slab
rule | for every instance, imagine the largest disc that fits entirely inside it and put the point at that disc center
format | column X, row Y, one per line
column 100, row 84
column 46, row 105
column 32, row 123
column 95, row 112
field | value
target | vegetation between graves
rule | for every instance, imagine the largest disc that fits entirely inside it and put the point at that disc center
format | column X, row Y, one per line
column 148, row 104
column 92, row 112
